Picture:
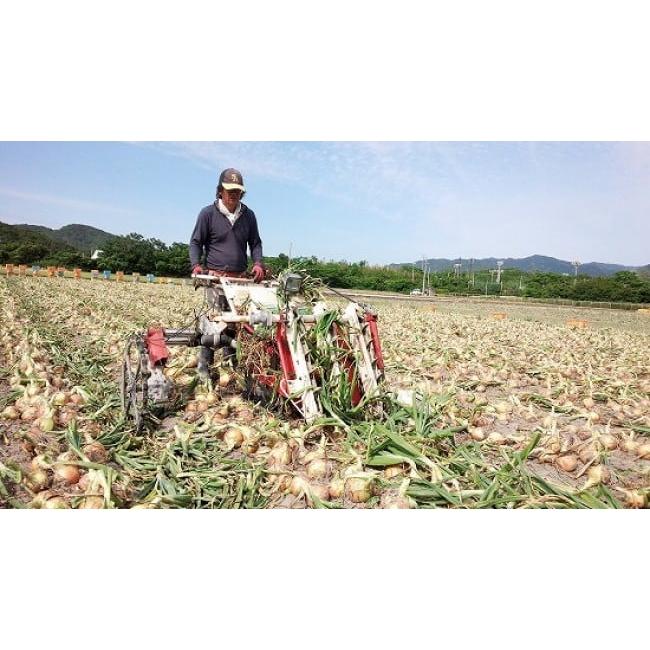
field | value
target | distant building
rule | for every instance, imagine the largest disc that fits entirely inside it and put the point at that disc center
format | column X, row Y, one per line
column 96, row 254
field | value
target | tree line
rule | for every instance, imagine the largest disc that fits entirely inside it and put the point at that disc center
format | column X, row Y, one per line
column 135, row 254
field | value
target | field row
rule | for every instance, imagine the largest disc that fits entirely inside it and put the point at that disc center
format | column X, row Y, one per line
column 518, row 412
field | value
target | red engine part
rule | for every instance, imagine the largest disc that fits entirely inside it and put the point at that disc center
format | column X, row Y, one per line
column 156, row 346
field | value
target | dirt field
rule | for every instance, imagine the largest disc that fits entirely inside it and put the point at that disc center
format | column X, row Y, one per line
column 505, row 406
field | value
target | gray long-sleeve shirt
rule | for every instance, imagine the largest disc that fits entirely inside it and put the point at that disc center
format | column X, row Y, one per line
column 224, row 244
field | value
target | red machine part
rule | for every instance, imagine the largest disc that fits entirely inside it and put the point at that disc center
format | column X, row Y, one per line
column 371, row 319
column 286, row 362
column 156, row 346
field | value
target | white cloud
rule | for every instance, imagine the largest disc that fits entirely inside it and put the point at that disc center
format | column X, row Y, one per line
column 66, row 202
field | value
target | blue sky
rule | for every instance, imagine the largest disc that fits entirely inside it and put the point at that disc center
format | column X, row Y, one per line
column 379, row 201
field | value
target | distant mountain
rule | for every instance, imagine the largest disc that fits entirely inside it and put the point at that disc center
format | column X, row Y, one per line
column 529, row 264
column 81, row 237
column 13, row 236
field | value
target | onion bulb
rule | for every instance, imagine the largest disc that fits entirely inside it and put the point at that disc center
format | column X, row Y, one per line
column 233, row 438
column 320, row 491
column 29, row 414
column 279, row 456
column 635, row 499
column 299, row 486
column 65, row 416
column 38, row 480
column 358, row 488
column 477, row 434
column 69, row 474
column 92, row 503
column 10, row 413
column 40, row 499
column 56, row 503
column 41, row 462
column 77, row 398
column 596, row 475
column 319, row 468
column 59, row 399
column 567, row 463
column 336, row 488
column 608, row 441
column 312, row 455
column 643, row 451
column 502, row 407
column 586, row 455
column 96, row 452
column 283, row 482
column 46, row 422
column 630, row 445
column 396, row 502
column 84, row 481
column 224, row 379
column 393, row 471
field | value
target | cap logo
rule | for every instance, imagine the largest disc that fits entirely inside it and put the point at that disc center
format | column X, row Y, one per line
column 233, row 177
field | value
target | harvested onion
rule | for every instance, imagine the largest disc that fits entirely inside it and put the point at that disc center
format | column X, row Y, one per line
column 279, row 456
column 319, row 468
column 38, row 480
column 596, row 475
column 10, row 413
column 643, row 451
column 69, row 474
column 337, row 488
column 96, row 452
column 358, row 488
column 567, row 463
column 233, row 438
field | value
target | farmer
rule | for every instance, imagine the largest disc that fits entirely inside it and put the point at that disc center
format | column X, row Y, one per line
column 222, row 232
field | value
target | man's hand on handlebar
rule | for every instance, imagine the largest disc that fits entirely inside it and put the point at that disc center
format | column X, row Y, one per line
column 197, row 270
column 258, row 272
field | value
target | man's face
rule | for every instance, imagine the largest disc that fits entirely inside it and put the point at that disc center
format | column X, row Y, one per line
column 230, row 198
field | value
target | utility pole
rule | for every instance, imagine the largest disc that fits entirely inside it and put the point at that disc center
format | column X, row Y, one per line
column 290, row 246
column 575, row 264
column 499, row 265
column 423, row 273
column 471, row 270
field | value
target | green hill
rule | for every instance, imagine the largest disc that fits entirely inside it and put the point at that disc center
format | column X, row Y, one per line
column 15, row 237
column 531, row 264
column 82, row 238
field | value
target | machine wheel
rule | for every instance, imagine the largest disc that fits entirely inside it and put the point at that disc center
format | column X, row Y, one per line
column 135, row 373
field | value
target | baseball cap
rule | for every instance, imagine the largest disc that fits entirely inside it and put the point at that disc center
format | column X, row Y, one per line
column 231, row 179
